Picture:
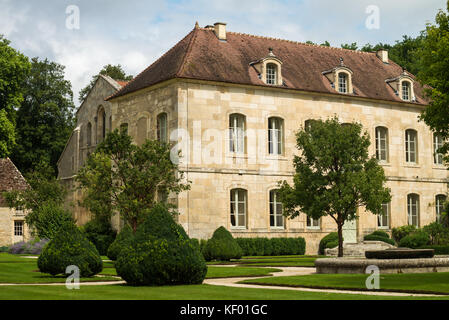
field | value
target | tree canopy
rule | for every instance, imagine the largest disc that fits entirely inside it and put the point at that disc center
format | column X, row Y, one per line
column 334, row 175
column 7, row 135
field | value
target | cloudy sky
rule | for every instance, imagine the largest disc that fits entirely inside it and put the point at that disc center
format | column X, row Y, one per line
column 134, row 33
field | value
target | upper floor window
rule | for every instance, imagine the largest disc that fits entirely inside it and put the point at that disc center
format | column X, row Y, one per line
column 238, row 207
column 411, row 146
column 237, row 133
column 406, row 90
column 101, row 125
column 162, row 127
column 271, row 73
column 413, row 209
column 383, row 220
column 313, row 223
column 437, row 144
column 275, row 135
column 382, row 144
column 439, row 206
column 342, row 82
column 89, row 134
column 276, row 216
column 308, row 124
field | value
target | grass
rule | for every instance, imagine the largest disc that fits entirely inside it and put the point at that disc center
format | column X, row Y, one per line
column 437, row 283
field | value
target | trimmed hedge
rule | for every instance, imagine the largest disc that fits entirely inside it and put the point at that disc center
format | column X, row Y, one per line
column 372, row 237
column 122, row 239
column 381, row 233
column 272, row 246
column 415, row 240
column 70, row 247
column 222, row 246
column 328, row 241
column 439, row 249
column 101, row 234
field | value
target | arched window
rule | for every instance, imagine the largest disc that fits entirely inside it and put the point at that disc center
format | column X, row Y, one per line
column 237, row 133
column 411, row 146
column 276, row 216
column 383, row 220
column 437, row 144
column 101, row 125
column 272, row 74
column 439, row 206
column 142, row 128
column 162, row 135
column 308, row 124
column 110, row 123
column 413, row 209
column 239, row 208
column 275, row 136
column 342, row 82
column 406, row 91
column 382, row 144
column 89, row 134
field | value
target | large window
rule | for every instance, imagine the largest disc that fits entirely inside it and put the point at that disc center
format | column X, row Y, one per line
column 271, row 73
column 89, row 134
column 383, row 220
column 411, row 146
column 439, row 206
column 437, row 144
column 276, row 216
column 406, row 91
column 382, row 144
column 313, row 223
column 237, row 133
column 18, row 228
column 101, row 125
column 342, row 82
column 413, row 209
column 238, row 208
column 275, row 135
column 162, row 135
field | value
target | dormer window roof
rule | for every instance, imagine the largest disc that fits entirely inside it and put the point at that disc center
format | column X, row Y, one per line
column 269, row 69
column 340, row 78
column 403, row 86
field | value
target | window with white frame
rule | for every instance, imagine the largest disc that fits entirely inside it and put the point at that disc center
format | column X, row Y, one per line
column 411, row 146
column 238, row 208
column 276, row 216
column 313, row 223
column 162, row 135
column 18, row 228
column 439, row 206
column 413, row 209
column 271, row 73
column 275, row 135
column 342, row 82
column 383, row 220
column 237, row 133
column 382, row 144
column 406, row 90
column 437, row 144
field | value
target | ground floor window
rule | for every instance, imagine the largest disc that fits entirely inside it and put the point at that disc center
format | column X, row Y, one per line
column 18, row 228
column 413, row 209
column 313, row 223
column 439, row 204
column 276, row 216
column 238, row 207
column 383, row 220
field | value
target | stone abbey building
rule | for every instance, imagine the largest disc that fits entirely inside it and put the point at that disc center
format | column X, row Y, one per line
column 232, row 103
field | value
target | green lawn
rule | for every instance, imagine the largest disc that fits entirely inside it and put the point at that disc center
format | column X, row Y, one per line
column 407, row 282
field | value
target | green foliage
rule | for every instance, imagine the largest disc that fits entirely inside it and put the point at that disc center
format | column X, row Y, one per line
column 4, row 249
column 352, row 46
column 70, row 247
column 101, row 234
column 272, row 246
column 127, row 177
column 123, row 239
column 438, row 233
column 48, row 219
column 401, row 232
column 115, row 72
column 45, row 118
column 415, row 240
column 373, row 237
column 439, row 249
column 334, row 175
column 222, row 246
column 381, row 233
column 7, row 135
column 328, row 242
column 161, row 256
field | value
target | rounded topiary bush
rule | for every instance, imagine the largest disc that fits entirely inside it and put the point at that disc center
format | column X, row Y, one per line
column 373, row 237
column 100, row 233
column 70, row 247
column 122, row 239
column 328, row 241
column 381, row 233
column 222, row 246
column 160, row 253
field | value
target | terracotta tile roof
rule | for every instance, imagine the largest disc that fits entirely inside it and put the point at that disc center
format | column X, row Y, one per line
column 200, row 55
column 10, row 178
column 122, row 83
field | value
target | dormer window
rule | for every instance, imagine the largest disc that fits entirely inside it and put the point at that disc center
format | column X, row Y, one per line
column 269, row 69
column 271, row 74
column 405, row 90
column 403, row 87
column 342, row 82
column 340, row 78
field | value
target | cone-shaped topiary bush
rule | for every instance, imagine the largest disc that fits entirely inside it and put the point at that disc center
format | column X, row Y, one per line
column 122, row 240
column 70, row 247
column 161, row 253
column 222, row 246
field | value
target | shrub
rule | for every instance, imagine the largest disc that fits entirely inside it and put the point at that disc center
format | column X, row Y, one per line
column 439, row 249
column 327, row 241
column 160, row 253
column 70, row 247
column 381, row 233
column 48, row 219
column 272, row 247
column 4, row 249
column 401, row 232
column 373, row 237
column 331, row 244
column 415, row 240
column 222, row 246
column 438, row 233
column 122, row 239
column 100, row 233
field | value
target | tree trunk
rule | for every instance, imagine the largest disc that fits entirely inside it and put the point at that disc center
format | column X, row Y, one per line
column 340, row 239
column 134, row 225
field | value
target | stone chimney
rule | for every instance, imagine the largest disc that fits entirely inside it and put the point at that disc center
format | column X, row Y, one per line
column 382, row 54
column 220, row 30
